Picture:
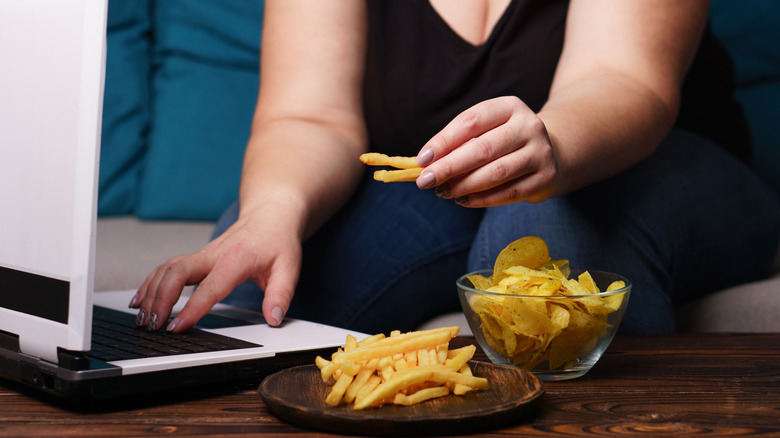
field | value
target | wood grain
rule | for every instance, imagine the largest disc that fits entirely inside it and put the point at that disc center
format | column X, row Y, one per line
column 685, row 384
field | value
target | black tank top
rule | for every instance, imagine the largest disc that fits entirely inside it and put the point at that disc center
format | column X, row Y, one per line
column 420, row 74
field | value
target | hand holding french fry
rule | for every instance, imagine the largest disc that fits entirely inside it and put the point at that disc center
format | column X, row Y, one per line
column 402, row 369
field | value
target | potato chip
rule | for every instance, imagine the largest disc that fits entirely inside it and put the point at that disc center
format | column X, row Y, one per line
column 480, row 282
column 579, row 337
column 586, row 281
column 530, row 252
column 559, row 265
column 526, row 320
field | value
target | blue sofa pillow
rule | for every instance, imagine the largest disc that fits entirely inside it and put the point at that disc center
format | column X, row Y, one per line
column 126, row 103
column 205, row 87
column 751, row 34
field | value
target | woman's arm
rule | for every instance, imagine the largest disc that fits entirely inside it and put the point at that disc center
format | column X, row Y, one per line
column 614, row 96
column 308, row 127
column 300, row 163
column 616, row 91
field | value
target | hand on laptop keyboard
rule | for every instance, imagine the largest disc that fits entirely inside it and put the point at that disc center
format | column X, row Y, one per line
column 263, row 247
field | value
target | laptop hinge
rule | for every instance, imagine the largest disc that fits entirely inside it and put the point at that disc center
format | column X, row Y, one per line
column 73, row 360
column 9, row 341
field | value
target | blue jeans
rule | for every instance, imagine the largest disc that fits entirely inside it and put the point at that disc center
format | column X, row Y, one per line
column 687, row 221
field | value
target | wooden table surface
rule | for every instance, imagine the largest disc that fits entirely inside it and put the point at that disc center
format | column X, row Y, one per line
column 684, row 384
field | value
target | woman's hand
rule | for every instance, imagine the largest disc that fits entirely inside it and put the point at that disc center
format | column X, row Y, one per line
column 494, row 153
column 262, row 249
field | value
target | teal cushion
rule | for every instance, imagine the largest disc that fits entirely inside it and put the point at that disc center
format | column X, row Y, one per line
column 205, row 88
column 125, row 105
column 750, row 32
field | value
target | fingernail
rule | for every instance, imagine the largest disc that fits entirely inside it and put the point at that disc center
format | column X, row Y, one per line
column 443, row 191
column 425, row 157
column 172, row 326
column 277, row 314
column 463, row 200
column 134, row 301
column 152, row 326
column 140, row 320
column 426, row 180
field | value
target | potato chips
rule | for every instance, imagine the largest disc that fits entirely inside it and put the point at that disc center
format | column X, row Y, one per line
column 558, row 319
column 402, row 369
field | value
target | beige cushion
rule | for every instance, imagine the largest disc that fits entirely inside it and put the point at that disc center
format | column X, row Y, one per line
column 749, row 308
column 127, row 250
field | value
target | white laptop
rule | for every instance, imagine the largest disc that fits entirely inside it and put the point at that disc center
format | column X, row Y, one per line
column 51, row 81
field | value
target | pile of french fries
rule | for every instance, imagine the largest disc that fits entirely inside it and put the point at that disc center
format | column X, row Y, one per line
column 402, row 369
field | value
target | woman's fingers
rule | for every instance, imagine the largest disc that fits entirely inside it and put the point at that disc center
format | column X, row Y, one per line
column 529, row 172
column 533, row 187
column 469, row 124
column 163, row 288
column 279, row 292
column 151, row 279
column 213, row 288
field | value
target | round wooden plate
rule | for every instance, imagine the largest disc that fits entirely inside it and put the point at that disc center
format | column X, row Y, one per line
column 297, row 395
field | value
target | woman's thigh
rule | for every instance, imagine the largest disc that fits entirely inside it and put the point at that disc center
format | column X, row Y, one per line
column 387, row 260
column 687, row 221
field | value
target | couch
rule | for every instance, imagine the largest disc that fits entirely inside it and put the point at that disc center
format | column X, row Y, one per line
column 181, row 80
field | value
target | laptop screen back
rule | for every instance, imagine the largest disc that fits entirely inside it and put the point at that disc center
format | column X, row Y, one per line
column 51, row 83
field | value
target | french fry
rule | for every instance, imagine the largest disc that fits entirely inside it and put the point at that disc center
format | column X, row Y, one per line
column 338, row 390
column 327, row 370
column 411, row 358
column 460, row 357
column 350, row 344
column 321, row 362
column 359, row 381
column 420, row 396
column 377, row 159
column 350, row 368
column 370, row 339
column 458, row 388
column 386, row 369
column 433, row 356
column 423, row 359
column 370, row 385
column 393, row 340
column 403, row 175
column 442, row 353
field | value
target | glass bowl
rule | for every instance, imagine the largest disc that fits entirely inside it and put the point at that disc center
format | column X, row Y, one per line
column 554, row 337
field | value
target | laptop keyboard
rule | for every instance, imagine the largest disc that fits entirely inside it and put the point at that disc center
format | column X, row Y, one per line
column 116, row 337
